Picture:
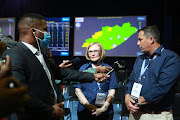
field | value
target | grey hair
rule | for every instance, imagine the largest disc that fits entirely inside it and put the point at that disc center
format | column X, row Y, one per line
column 7, row 40
column 151, row 31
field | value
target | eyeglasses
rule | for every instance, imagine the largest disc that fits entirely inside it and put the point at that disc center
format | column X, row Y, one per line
column 95, row 52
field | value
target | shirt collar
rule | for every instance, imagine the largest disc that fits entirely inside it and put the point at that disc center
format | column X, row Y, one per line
column 90, row 64
column 31, row 47
column 156, row 52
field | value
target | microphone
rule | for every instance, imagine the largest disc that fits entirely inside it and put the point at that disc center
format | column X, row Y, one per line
column 115, row 67
column 74, row 60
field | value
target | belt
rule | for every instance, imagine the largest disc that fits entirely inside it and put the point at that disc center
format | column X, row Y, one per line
column 153, row 112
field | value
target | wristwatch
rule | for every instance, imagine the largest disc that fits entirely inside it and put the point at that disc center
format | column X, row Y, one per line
column 137, row 102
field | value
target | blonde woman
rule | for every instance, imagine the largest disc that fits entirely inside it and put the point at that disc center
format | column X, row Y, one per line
column 95, row 99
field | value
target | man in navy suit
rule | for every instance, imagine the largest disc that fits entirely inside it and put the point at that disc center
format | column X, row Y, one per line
column 35, row 72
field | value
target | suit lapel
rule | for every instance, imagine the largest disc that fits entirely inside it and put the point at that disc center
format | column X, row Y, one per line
column 32, row 57
column 48, row 66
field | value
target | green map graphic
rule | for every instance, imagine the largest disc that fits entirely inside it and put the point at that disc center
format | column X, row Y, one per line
column 111, row 37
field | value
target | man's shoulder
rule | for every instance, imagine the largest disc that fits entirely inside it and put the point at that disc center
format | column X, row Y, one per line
column 15, row 50
column 15, row 53
column 170, row 54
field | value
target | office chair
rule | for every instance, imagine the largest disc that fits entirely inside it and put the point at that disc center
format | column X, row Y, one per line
column 176, row 107
column 67, row 113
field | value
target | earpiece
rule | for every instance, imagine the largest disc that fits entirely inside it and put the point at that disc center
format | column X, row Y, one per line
column 33, row 30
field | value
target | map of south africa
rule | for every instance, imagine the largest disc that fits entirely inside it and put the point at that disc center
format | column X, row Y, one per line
column 111, row 37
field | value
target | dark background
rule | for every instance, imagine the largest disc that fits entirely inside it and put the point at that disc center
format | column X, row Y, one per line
column 163, row 13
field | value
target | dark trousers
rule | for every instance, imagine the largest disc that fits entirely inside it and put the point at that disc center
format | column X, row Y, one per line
column 87, row 115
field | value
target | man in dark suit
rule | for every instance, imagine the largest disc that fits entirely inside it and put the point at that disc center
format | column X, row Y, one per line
column 33, row 70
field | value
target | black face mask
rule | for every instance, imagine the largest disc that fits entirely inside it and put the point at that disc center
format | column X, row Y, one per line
column 98, row 62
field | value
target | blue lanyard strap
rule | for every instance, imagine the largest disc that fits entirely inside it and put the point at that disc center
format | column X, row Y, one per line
column 144, row 68
column 99, row 86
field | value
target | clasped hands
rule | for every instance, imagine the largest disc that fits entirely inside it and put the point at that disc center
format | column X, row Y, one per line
column 95, row 111
column 131, row 104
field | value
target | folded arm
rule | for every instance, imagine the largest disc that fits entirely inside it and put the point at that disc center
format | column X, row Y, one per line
column 108, row 101
column 83, row 100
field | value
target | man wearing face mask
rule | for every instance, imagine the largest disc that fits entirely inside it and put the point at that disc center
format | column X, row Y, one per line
column 35, row 72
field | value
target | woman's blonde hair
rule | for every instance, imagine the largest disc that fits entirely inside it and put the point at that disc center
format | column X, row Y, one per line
column 102, row 51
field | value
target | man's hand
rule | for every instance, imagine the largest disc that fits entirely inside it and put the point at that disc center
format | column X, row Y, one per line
column 103, row 69
column 58, row 111
column 65, row 64
column 101, row 76
column 142, row 101
column 6, row 71
column 12, row 99
column 131, row 104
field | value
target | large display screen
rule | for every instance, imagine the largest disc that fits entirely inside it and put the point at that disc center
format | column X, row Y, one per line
column 7, row 26
column 118, row 35
column 59, row 28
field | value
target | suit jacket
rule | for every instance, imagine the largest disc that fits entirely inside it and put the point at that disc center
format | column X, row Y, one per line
column 27, row 68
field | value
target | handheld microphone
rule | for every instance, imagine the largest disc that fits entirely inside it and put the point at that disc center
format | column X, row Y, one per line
column 3, row 62
column 115, row 67
column 74, row 60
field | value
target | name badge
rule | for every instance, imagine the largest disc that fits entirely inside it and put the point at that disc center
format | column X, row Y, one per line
column 136, row 90
column 100, row 99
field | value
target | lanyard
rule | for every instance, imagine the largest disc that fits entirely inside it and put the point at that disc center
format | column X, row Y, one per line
column 144, row 68
column 99, row 86
column 93, row 66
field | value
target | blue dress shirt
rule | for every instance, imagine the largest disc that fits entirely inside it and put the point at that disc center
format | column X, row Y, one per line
column 158, row 80
column 90, row 90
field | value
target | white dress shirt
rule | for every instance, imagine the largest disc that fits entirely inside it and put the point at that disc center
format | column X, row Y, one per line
column 41, row 59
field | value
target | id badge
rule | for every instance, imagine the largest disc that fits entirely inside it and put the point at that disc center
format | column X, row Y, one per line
column 136, row 90
column 100, row 99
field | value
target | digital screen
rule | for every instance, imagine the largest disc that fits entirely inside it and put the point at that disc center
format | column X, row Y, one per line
column 7, row 26
column 59, row 28
column 118, row 35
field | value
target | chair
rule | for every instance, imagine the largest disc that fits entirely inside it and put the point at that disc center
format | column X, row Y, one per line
column 176, row 107
column 119, row 99
column 124, row 111
column 72, row 95
column 67, row 113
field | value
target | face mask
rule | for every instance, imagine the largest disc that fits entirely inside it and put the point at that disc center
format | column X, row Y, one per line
column 44, row 42
column 98, row 62
column 47, row 37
